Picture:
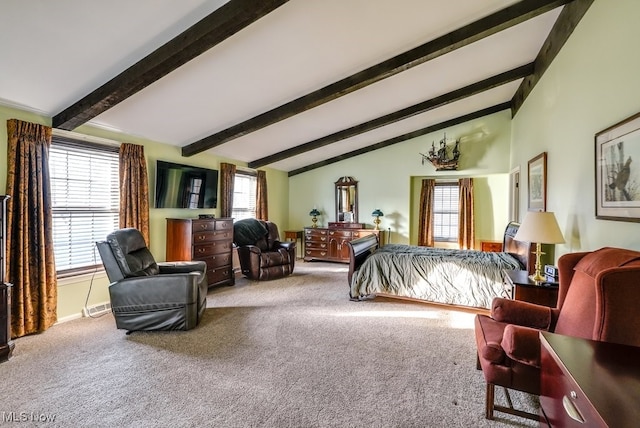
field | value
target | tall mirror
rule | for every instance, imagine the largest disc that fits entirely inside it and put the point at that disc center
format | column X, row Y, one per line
column 347, row 200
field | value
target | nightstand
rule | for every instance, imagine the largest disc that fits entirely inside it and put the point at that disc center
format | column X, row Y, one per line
column 294, row 235
column 519, row 286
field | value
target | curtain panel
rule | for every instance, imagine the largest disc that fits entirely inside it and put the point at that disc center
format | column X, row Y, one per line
column 262, row 210
column 466, row 230
column 425, row 229
column 30, row 258
column 134, row 189
column 227, row 177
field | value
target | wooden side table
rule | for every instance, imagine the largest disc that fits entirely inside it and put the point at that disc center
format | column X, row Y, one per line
column 294, row 235
column 519, row 286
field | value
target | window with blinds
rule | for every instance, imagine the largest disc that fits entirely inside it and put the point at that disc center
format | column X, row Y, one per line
column 85, row 199
column 244, row 195
column 445, row 212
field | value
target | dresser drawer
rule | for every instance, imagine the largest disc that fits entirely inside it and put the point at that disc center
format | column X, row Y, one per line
column 312, row 233
column 343, row 234
column 314, row 245
column 223, row 234
column 214, row 247
column 219, row 275
column 224, row 225
column 217, row 260
column 315, row 253
column 202, row 225
column 213, row 235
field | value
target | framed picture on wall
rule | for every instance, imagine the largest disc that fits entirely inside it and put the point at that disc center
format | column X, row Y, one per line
column 617, row 175
column 537, row 173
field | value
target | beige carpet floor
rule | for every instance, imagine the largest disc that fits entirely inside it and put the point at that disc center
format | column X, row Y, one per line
column 286, row 353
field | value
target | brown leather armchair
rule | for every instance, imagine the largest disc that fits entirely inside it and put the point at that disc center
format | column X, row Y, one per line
column 262, row 255
column 597, row 299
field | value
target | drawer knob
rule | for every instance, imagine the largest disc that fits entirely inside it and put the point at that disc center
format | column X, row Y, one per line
column 571, row 410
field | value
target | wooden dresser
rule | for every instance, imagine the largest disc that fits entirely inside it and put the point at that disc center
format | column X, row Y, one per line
column 209, row 240
column 6, row 344
column 330, row 243
column 584, row 383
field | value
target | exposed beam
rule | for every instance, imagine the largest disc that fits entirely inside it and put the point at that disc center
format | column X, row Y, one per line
column 433, row 103
column 565, row 24
column 404, row 137
column 197, row 39
column 456, row 39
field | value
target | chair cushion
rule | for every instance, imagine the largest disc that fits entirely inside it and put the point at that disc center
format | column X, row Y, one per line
column 131, row 253
column 605, row 258
column 578, row 315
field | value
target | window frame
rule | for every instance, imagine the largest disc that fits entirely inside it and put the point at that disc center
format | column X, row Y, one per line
column 110, row 151
column 455, row 213
column 241, row 213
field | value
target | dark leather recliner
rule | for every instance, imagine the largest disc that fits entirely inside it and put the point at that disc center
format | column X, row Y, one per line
column 597, row 300
column 146, row 295
column 262, row 255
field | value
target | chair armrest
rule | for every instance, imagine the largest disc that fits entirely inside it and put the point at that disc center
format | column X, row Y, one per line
column 287, row 245
column 617, row 296
column 522, row 344
column 182, row 267
column 249, row 249
column 155, row 289
column 521, row 313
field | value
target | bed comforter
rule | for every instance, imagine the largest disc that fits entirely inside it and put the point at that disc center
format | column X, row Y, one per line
column 456, row 277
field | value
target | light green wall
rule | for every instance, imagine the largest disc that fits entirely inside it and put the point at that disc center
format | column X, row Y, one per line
column 389, row 179
column 591, row 85
column 72, row 293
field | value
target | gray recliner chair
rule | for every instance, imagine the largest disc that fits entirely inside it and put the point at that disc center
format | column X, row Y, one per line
column 146, row 295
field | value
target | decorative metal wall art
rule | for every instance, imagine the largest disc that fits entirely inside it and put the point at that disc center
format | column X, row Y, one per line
column 445, row 158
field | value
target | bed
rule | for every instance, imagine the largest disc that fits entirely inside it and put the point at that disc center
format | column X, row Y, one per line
column 454, row 277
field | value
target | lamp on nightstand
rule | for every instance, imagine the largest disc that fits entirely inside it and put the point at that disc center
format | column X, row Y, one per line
column 541, row 228
column 314, row 213
column 376, row 217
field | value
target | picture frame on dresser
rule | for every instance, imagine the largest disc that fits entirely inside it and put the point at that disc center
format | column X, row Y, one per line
column 537, row 183
column 617, row 183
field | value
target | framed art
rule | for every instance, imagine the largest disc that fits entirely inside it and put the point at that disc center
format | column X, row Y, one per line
column 537, row 173
column 617, row 176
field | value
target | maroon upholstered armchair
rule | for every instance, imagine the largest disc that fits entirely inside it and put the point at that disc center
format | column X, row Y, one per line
column 262, row 255
column 598, row 299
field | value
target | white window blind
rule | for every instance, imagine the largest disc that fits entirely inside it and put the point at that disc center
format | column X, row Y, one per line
column 85, row 199
column 244, row 196
column 445, row 212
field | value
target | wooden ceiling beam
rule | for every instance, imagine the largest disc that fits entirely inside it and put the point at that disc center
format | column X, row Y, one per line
column 405, row 113
column 404, row 137
column 563, row 28
column 492, row 24
column 197, row 39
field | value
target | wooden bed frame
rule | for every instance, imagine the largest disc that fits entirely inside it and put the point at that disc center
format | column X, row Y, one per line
column 361, row 248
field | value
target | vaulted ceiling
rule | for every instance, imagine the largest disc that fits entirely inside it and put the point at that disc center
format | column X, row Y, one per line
column 289, row 84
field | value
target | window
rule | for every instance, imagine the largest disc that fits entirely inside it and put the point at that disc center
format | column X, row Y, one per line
column 244, row 195
column 85, row 199
column 445, row 212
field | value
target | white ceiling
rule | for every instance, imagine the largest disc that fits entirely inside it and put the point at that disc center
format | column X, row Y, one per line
column 55, row 52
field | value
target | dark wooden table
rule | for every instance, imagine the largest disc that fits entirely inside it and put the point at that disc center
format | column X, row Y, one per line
column 294, row 235
column 596, row 382
column 519, row 286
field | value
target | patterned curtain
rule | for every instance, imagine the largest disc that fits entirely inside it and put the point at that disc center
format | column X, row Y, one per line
column 425, row 230
column 134, row 189
column 466, row 232
column 30, row 259
column 227, row 176
column 262, row 211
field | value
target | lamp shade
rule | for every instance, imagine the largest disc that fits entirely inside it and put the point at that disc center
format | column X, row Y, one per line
column 314, row 212
column 377, row 213
column 540, row 227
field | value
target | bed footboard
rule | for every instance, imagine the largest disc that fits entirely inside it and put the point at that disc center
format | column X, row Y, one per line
column 359, row 250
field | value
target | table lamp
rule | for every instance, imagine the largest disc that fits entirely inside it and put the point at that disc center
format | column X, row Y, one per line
column 314, row 213
column 541, row 228
column 376, row 217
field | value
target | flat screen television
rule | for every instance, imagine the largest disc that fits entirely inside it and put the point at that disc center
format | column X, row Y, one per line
column 184, row 186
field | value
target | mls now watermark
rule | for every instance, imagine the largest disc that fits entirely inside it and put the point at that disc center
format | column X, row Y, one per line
column 27, row 417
